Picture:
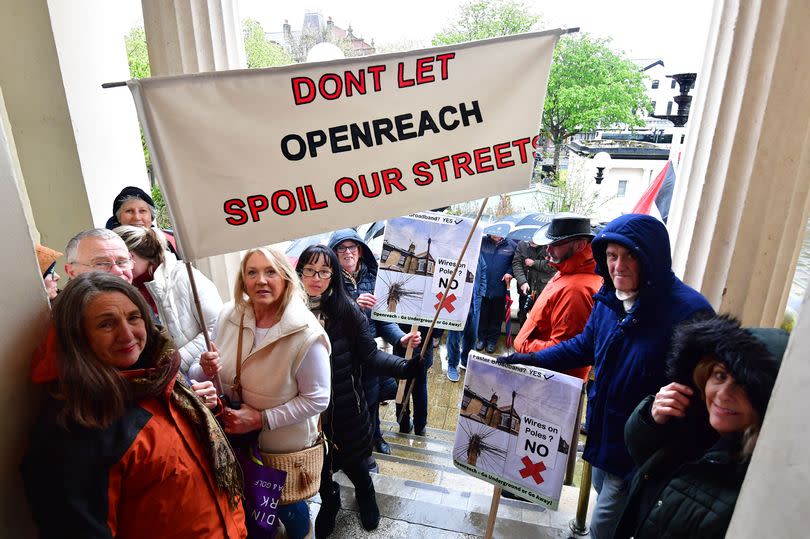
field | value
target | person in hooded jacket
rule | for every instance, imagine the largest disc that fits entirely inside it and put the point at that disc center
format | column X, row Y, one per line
column 346, row 421
column 626, row 338
column 359, row 273
column 693, row 440
column 497, row 251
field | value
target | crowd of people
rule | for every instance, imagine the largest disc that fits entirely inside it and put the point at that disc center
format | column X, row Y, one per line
column 142, row 412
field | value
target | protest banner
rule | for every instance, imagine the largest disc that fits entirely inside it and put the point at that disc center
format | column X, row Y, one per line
column 419, row 254
column 515, row 427
column 251, row 157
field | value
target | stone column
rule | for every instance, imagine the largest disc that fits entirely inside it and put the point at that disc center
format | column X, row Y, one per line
column 192, row 36
column 741, row 200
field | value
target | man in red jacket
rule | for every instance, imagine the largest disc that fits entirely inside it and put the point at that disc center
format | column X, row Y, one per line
column 564, row 305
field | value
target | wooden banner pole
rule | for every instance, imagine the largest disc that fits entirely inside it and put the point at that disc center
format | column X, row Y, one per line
column 493, row 512
column 409, row 387
column 217, row 380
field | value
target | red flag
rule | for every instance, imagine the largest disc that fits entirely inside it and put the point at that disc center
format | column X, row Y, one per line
column 658, row 195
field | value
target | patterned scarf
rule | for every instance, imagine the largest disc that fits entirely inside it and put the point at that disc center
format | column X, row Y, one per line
column 154, row 381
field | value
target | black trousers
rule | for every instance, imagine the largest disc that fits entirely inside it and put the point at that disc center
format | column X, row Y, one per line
column 355, row 469
column 492, row 315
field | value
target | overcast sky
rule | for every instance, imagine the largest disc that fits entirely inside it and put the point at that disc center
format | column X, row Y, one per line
column 673, row 31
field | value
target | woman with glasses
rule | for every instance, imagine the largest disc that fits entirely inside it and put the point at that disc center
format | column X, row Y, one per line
column 273, row 356
column 164, row 283
column 346, row 422
column 46, row 258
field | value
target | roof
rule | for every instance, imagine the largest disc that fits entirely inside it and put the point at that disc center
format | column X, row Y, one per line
column 647, row 63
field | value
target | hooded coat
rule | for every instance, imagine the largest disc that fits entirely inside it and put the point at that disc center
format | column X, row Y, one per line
column 563, row 307
column 363, row 283
column 498, row 257
column 627, row 349
column 689, row 477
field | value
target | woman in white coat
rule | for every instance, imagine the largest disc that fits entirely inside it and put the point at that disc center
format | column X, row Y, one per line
column 164, row 283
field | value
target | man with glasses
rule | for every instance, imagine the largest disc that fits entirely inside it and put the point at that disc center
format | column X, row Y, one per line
column 563, row 307
column 98, row 249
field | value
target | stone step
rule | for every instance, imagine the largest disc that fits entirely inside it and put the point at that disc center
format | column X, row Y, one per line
column 412, row 508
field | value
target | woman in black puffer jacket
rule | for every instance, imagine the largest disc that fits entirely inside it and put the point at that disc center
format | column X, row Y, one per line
column 346, row 422
column 692, row 441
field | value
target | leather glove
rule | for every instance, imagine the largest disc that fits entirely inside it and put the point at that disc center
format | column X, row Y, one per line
column 516, row 358
column 408, row 369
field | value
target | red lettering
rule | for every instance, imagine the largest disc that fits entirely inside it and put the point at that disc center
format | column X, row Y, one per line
column 502, row 158
column 314, row 203
column 256, row 205
column 276, row 198
column 235, row 207
column 373, row 190
column 461, row 162
column 353, row 190
column 443, row 59
column 299, row 96
column 423, row 67
column 482, row 157
column 422, row 170
column 355, row 83
column 521, row 145
column 302, row 203
column 391, row 176
column 375, row 73
column 441, row 162
column 338, row 86
column 401, row 81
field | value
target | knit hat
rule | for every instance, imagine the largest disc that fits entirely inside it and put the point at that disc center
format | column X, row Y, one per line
column 127, row 192
column 752, row 356
column 46, row 258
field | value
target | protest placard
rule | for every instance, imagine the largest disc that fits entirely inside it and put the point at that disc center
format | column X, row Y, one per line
column 515, row 427
column 416, row 265
column 251, row 157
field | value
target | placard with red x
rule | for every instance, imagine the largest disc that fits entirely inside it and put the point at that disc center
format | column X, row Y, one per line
column 532, row 469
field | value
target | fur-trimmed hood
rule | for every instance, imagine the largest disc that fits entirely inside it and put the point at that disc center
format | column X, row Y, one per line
column 752, row 356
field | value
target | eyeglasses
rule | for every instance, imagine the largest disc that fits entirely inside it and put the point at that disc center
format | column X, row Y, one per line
column 107, row 266
column 323, row 274
column 50, row 271
column 344, row 248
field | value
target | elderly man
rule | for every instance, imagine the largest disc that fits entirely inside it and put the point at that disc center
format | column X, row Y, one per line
column 98, row 249
column 359, row 270
column 532, row 272
column 626, row 338
column 564, row 305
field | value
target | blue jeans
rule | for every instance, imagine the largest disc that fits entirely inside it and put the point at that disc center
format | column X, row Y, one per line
column 610, row 502
column 295, row 517
column 465, row 340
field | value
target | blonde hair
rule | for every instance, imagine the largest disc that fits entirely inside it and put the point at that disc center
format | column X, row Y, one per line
column 700, row 376
column 293, row 286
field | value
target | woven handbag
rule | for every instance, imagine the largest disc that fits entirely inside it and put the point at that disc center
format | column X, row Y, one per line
column 303, row 467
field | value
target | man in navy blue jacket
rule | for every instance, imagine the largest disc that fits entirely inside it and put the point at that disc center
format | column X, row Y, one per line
column 626, row 339
column 497, row 252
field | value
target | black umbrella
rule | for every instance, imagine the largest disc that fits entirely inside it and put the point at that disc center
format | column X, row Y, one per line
column 526, row 227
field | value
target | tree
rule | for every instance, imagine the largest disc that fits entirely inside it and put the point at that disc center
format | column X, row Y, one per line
column 260, row 51
column 481, row 19
column 137, row 55
column 590, row 86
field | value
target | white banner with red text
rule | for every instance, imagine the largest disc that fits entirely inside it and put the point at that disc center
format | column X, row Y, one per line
column 252, row 157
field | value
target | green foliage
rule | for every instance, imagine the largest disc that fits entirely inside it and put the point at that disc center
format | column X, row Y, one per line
column 137, row 55
column 261, row 52
column 162, row 218
column 481, row 19
column 590, row 86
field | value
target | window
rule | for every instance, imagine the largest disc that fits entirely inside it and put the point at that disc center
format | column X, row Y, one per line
column 669, row 107
column 401, row 261
column 385, row 254
column 622, row 189
column 484, row 409
column 506, row 420
column 654, row 84
column 465, row 401
column 420, row 267
column 673, row 83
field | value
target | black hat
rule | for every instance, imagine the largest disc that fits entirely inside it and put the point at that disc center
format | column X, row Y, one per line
column 563, row 227
column 752, row 356
column 127, row 192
